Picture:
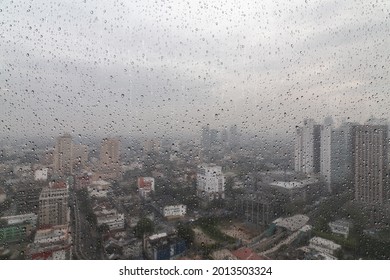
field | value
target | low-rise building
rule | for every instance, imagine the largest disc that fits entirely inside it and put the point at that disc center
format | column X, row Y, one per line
column 323, row 245
column 292, row 223
column 110, row 217
column 99, row 188
column 12, row 233
column 295, row 190
column 164, row 247
column 340, row 227
column 30, row 218
column 145, row 186
column 52, row 243
column 170, row 208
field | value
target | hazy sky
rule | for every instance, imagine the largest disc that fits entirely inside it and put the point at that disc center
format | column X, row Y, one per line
column 133, row 67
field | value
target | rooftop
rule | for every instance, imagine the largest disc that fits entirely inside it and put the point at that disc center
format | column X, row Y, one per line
column 293, row 223
column 57, row 185
column 293, row 184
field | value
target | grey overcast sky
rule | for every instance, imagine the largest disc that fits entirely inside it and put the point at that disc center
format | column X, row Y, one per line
column 167, row 67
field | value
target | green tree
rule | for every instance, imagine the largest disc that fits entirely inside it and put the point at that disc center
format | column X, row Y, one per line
column 143, row 226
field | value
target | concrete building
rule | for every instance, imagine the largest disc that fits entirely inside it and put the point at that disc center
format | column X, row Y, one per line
column 52, row 243
column 27, row 197
column 63, row 155
column 323, row 245
column 302, row 190
column 17, row 228
column 99, row 188
column 30, row 218
column 307, row 147
column 369, row 144
column 293, row 223
column 234, row 137
column 145, row 186
column 109, row 216
column 53, row 205
column 170, row 208
column 151, row 146
column 80, row 156
column 164, row 247
column 210, row 182
column 15, row 233
column 336, row 154
column 341, row 227
column 41, row 174
column 109, row 161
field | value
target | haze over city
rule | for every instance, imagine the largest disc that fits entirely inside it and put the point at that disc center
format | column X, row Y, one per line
column 170, row 67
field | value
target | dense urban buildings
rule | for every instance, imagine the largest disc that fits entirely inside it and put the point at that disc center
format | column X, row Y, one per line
column 326, row 189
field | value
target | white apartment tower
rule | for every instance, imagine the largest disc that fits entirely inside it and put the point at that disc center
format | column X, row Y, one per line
column 307, row 147
column 210, row 182
column 336, row 154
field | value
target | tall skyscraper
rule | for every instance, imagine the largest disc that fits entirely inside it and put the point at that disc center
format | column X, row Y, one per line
column 336, row 154
column 234, row 137
column 63, row 155
column 210, row 182
column 80, row 156
column 53, row 205
column 369, row 144
column 110, row 156
column 307, row 147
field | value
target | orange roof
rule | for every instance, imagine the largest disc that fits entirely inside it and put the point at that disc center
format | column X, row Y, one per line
column 247, row 254
column 58, row 185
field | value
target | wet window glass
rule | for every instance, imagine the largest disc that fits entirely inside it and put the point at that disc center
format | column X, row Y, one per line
column 135, row 130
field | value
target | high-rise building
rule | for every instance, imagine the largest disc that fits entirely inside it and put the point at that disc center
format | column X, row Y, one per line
column 210, row 182
column 307, row 147
column 109, row 153
column 53, row 205
column 109, row 159
column 209, row 138
column 234, row 137
column 336, row 154
column 63, row 155
column 152, row 146
column 369, row 143
column 80, row 155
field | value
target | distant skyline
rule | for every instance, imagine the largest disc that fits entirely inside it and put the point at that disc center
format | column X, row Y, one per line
column 168, row 68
